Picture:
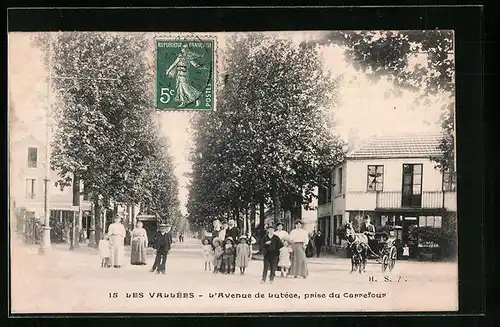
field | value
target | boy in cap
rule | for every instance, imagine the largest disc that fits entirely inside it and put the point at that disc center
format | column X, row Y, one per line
column 162, row 243
column 271, row 245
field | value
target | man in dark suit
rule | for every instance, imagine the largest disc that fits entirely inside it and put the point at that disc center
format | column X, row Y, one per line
column 319, row 241
column 234, row 232
column 369, row 230
column 271, row 245
column 162, row 242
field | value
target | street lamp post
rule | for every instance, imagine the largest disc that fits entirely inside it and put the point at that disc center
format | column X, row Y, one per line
column 46, row 244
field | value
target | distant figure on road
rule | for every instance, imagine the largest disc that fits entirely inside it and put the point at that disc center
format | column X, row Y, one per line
column 181, row 238
column 319, row 241
column 116, row 232
column 162, row 243
column 139, row 244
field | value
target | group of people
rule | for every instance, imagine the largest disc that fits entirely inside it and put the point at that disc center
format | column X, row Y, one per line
column 280, row 250
column 112, row 250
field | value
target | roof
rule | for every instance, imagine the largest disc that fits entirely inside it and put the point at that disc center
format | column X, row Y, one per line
column 399, row 146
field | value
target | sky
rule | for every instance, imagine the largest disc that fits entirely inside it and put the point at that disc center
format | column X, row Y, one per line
column 365, row 109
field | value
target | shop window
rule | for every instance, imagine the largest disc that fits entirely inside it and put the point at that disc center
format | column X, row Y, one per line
column 430, row 221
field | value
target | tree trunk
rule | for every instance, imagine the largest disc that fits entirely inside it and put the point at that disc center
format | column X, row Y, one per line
column 95, row 222
column 276, row 201
column 253, row 216
column 75, row 230
column 248, row 226
column 132, row 216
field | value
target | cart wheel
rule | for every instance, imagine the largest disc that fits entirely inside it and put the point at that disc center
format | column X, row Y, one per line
column 385, row 262
column 392, row 258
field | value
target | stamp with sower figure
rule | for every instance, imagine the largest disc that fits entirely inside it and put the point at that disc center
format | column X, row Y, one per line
column 185, row 74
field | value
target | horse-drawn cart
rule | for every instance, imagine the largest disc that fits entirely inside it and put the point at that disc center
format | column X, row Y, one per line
column 386, row 252
column 381, row 249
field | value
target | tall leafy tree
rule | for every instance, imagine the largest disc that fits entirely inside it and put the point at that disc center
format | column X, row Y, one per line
column 105, row 130
column 269, row 138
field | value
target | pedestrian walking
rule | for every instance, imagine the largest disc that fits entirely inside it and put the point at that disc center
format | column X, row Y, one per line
column 208, row 254
column 284, row 259
column 181, row 238
column 218, row 252
column 139, row 244
column 116, row 232
column 162, row 243
column 105, row 251
column 299, row 239
column 242, row 254
column 271, row 245
column 228, row 255
column 319, row 241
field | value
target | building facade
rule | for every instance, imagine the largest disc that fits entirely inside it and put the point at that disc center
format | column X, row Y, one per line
column 395, row 182
column 27, row 158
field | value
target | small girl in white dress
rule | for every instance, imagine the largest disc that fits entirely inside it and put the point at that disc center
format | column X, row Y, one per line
column 284, row 259
column 208, row 254
column 105, row 251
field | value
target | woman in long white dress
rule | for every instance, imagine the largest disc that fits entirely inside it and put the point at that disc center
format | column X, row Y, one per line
column 116, row 232
column 299, row 239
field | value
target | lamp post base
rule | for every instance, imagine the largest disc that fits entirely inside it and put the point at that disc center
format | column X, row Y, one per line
column 46, row 245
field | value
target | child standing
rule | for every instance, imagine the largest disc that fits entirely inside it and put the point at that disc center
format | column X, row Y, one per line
column 228, row 255
column 105, row 251
column 406, row 252
column 284, row 259
column 218, row 252
column 208, row 254
column 242, row 254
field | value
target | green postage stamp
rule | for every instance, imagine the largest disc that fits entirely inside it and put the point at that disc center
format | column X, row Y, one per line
column 185, row 74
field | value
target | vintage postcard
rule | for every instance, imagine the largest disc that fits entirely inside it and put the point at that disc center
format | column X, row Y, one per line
column 248, row 172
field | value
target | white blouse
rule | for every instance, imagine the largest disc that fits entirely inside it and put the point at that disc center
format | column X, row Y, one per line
column 281, row 234
column 299, row 235
column 116, row 229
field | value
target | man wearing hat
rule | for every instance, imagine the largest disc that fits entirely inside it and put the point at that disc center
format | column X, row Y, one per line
column 369, row 230
column 162, row 242
column 234, row 232
column 271, row 245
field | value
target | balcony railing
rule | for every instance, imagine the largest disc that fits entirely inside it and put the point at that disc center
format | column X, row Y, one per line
column 427, row 200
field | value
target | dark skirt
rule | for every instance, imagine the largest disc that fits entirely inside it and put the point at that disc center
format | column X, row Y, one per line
column 138, row 255
column 299, row 264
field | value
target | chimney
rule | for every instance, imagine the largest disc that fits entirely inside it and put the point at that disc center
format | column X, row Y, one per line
column 352, row 139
